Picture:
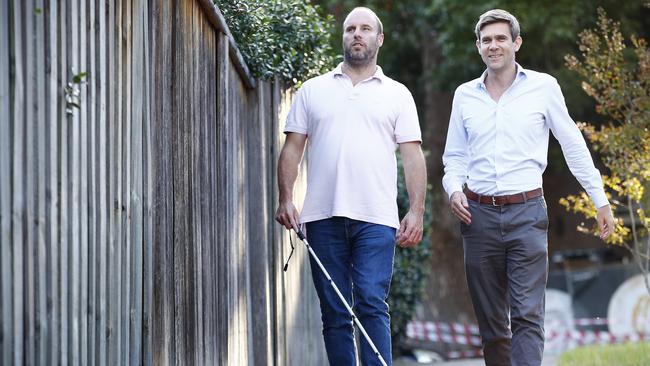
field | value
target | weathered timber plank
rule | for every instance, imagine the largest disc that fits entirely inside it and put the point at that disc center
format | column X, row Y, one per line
column 90, row 54
column 223, row 247
column 29, row 180
column 144, row 37
column 163, row 325
column 136, row 167
column 41, row 222
column 124, row 93
column 6, row 273
column 102, row 122
column 73, row 185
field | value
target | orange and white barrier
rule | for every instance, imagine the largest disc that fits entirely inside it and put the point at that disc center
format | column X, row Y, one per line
column 467, row 334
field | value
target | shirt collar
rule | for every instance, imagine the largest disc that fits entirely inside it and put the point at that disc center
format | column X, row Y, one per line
column 521, row 73
column 379, row 73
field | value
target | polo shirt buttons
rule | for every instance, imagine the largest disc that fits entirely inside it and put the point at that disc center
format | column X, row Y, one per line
column 354, row 95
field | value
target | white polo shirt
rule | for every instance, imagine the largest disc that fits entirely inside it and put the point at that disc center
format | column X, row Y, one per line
column 352, row 134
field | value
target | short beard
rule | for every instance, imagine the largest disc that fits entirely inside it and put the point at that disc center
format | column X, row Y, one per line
column 357, row 61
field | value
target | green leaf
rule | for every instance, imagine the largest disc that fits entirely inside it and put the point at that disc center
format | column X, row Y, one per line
column 79, row 78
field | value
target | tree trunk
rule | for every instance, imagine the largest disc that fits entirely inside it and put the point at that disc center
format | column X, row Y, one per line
column 447, row 296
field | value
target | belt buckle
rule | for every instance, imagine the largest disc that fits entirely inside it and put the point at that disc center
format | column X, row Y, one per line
column 494, row 202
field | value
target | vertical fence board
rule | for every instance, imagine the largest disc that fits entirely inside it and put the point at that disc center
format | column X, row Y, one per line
column 214, row 214
column 179, row 163
column 7, row 82
column 41, row 331
column 6, row 275
column 238, row 203
column 18, row 186
column 83, row 150
column 257, row 231
column 73, row 182
column 223, row 249
column 232, row 162
column 89, row 312
column 144, row 33
column 29, row 180
column 207, row 118
column 119, row 89
column 114, row 205
column 163, row 326
column 102, row 183
column 274, row 250
column 63, row 185
column 196, row 191
column 138, row 88
column 246, row 104
column 52, row 199
column 125, row 92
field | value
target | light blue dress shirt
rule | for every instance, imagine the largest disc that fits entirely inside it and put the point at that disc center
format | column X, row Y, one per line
column 499, row 148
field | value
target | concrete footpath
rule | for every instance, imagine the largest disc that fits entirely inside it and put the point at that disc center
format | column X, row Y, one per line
column 548, row 361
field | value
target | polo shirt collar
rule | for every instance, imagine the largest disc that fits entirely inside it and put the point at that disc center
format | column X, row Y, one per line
column 379, row 73
column 521, row 73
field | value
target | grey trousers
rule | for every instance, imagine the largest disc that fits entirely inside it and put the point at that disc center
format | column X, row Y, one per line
column 506, row 265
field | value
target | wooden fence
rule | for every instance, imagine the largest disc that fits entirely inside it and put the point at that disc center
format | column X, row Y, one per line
column 137, row 191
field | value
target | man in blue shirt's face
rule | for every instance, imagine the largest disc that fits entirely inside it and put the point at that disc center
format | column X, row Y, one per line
column 497, row 47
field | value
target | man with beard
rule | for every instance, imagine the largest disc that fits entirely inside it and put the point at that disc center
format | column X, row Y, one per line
column 354, row 118
column 494, row 158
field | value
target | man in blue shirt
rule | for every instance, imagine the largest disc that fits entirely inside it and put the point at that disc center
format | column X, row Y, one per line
column 496, row 152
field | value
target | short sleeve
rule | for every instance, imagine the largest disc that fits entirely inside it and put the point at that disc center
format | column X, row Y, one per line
column 407, row 125
column 298, row 118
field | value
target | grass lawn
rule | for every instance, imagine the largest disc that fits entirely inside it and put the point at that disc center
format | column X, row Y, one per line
column 628, row 354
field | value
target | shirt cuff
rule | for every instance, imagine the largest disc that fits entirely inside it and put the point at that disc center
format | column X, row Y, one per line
column 454, row 187
column 599, row 198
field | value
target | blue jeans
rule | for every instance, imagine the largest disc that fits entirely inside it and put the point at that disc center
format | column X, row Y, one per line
column 359, row 258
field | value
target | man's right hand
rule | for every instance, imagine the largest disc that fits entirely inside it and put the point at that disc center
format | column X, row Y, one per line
column 459, row 207
column 287, row 215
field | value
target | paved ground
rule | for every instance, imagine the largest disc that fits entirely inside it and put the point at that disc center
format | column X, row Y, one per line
column 548, row 361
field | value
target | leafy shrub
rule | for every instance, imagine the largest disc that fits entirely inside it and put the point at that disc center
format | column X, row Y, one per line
column 410, row 270
column 289, row 39
column 619, row 82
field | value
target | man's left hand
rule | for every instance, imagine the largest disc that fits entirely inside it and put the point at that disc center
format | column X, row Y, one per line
column 605, row 221
column 410, row 230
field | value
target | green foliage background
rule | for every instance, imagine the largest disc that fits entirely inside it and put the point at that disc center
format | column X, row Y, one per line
column 288, row 39
column 619, row 82
column 410, row 270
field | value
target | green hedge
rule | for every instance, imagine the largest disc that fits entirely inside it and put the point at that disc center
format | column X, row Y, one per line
column 285, row 38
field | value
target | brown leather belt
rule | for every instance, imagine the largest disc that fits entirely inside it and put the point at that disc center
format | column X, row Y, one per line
column 503, row 200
